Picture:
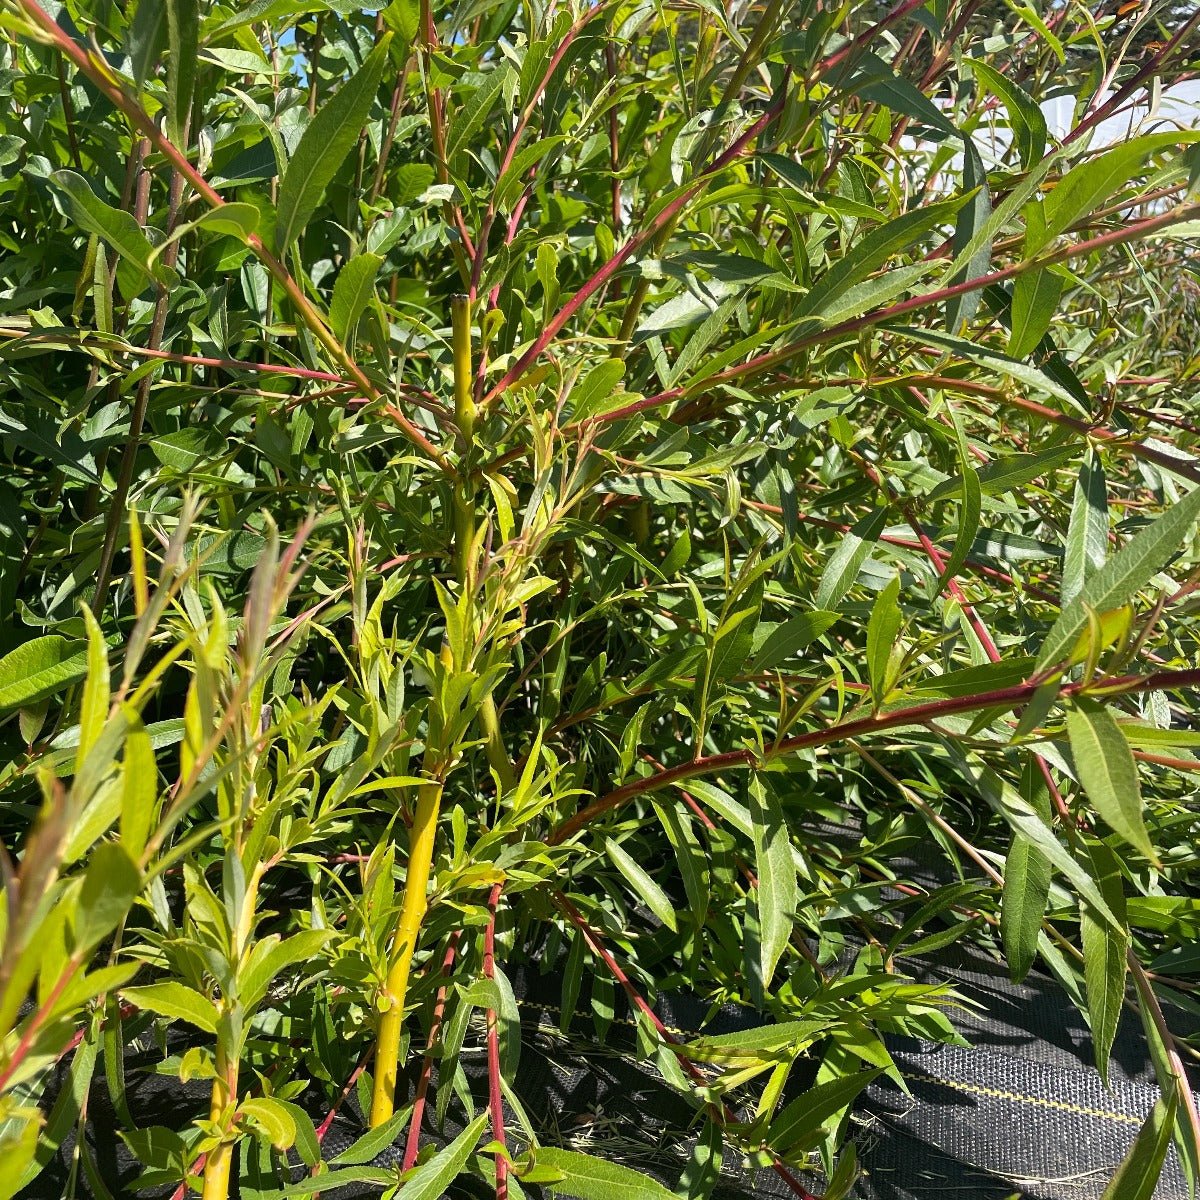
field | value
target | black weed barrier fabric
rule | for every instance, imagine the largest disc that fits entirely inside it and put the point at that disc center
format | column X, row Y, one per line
column 1022, row 1112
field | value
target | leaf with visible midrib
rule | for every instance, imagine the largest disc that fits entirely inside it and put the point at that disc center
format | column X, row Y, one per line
column 1131, row 568
column 352, row 292
column 183, row 36
column 1104, row 963
column 324, row 146
column 1087, row 531
column 591, row 1178
column 39, row 668
column 1107, row 771
column 1137, row 1176
column 117, row 227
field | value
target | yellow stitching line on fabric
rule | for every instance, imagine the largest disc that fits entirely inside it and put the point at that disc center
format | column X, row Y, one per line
column 1000, row 1094
column 969, row 1088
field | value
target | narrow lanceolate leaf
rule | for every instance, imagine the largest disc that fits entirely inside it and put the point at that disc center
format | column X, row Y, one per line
column 973, row 217
column 324, row 146
column 799, row 1126
column 473, row 114
column 1087, row 532
column 775, row 644
column 1131, row 568
column 352, row 292
column 1137, row 1176
column 1027, row 873
column 93, row 709
column 1034, row 303
column 882, row 630
column 968, row 511
column 110, row 886
column 654, row 898
column 591, row 1178
column 139, row 786
column 117, row 227
column 872, row 251
column 846, row 561
column 183, row 33
column 145, row 38
column 431, row 1179
column 1104, row 957
column 1108, row 772
column 777, row 892
column 1025, row 118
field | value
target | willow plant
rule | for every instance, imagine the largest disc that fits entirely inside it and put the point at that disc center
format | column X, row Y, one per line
column 720, row 448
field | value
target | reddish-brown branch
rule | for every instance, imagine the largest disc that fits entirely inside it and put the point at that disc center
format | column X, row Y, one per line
column 915, row 714
column 721, row 1112
column 413, row 1145
column 660, row 220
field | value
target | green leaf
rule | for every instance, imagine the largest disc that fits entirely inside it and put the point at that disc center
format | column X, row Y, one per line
column 328, row 1181
column 972, row 218
column 139, row 785
column 64, row 1116
column 1087, row 532
column 1095, row 182
column 800, row 1125
column 969, row 510
column 883, row 628
column 145, row 39
column 276, row 1122
column 352, row 292
column 373, row 1142
column 1137, row 1176
column 871, row 252
column 1034, row 303
column 1025, row 117
column 110, row 887
column 93, row 709
column 777, row 893
column 598, row 392
column 1024, row 819
column 270, row 956
column 991, row 360
column 1107, row 771
column 846, row 561
column 775, row 644
column 1009, row 471
column 431, row 1179
column 1105, row 965
column 183, row 39
column 117, row 227
column 591, row 1178
column 470, row 118
column 176, row 1001
column 1027, row 874
column 1130, row 569
column 39, row 668
column 323, row 148
column 655, row 899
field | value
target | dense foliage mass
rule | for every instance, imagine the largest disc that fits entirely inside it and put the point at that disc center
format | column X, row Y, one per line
column 608, row 488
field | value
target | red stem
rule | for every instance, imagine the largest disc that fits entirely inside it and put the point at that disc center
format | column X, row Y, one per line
column 914, row 714
column 635, row 243
column 413, row 1145
column 596, row 945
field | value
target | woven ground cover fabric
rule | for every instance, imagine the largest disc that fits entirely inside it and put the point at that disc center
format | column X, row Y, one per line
column 1022, row 1112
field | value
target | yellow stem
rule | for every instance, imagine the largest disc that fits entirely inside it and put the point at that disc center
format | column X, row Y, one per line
column 220, row 1158
column 404, row 942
